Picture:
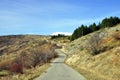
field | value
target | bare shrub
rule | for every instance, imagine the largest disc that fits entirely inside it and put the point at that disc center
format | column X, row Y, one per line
column 16, row 66
column 40, row 55
column 30, row 58
column 117, row 35
column 26, row 62
column 93, row 45
column 35, row 57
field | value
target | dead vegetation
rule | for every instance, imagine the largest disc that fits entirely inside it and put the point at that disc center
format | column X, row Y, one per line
column 93, row 45
column 117, row 35
column 22, row 54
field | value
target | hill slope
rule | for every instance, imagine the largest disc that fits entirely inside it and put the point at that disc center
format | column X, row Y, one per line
column 23, row 56
column 103, row 66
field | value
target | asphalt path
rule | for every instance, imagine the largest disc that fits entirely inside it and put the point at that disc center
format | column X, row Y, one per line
column 60, row 71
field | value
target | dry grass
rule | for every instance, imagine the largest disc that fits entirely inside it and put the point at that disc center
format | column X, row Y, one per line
column 104, row 66
column 21, row 52
column 28, row 74
column 89, row 75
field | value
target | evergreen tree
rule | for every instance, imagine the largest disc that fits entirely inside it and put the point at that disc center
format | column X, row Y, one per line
column 80, row 31
column 83, row 30
column 109, row 22
column 93, row 27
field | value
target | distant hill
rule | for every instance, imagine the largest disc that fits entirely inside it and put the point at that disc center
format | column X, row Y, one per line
column 96, row 55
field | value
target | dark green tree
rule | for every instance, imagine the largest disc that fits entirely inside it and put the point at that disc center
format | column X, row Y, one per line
column 109, row 22
column 80, row 31
column 83, row 30
column 93, row 27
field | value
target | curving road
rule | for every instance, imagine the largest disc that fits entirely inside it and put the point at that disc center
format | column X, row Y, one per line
column 60, row 71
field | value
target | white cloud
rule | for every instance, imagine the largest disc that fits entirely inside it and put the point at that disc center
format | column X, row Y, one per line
column 65, row 33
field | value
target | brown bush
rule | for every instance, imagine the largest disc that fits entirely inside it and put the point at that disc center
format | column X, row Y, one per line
column 16, row 68
column 93, row 45
column 116, row 35
column 35, row 58
column 31, row 58
column 39, row 55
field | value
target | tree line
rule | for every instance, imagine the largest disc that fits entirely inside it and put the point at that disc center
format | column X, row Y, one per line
column 57, row 36
column 84, row 30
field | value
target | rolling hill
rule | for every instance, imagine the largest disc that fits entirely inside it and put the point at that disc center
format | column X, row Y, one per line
column 23, row 57
column 96, row 55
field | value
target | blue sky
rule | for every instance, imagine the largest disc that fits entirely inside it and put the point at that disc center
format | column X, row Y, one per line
column 48, row 16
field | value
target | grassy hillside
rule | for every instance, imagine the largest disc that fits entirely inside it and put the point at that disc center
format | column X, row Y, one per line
column 96, row 57
column 23, row 57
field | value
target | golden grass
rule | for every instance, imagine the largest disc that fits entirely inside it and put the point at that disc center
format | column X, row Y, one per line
column 29, row 74
column 88, row 74
column 101, row 67
column 104, row 66
column 17, row 46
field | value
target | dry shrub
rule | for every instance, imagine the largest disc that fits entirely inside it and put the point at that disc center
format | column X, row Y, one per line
column 116, row 35
column 16, row 66
column 35, row 58
column 39, row 55
column 13, row 66
column 93, row 45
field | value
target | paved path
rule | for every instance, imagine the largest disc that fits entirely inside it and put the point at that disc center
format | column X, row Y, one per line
column 60, row 71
